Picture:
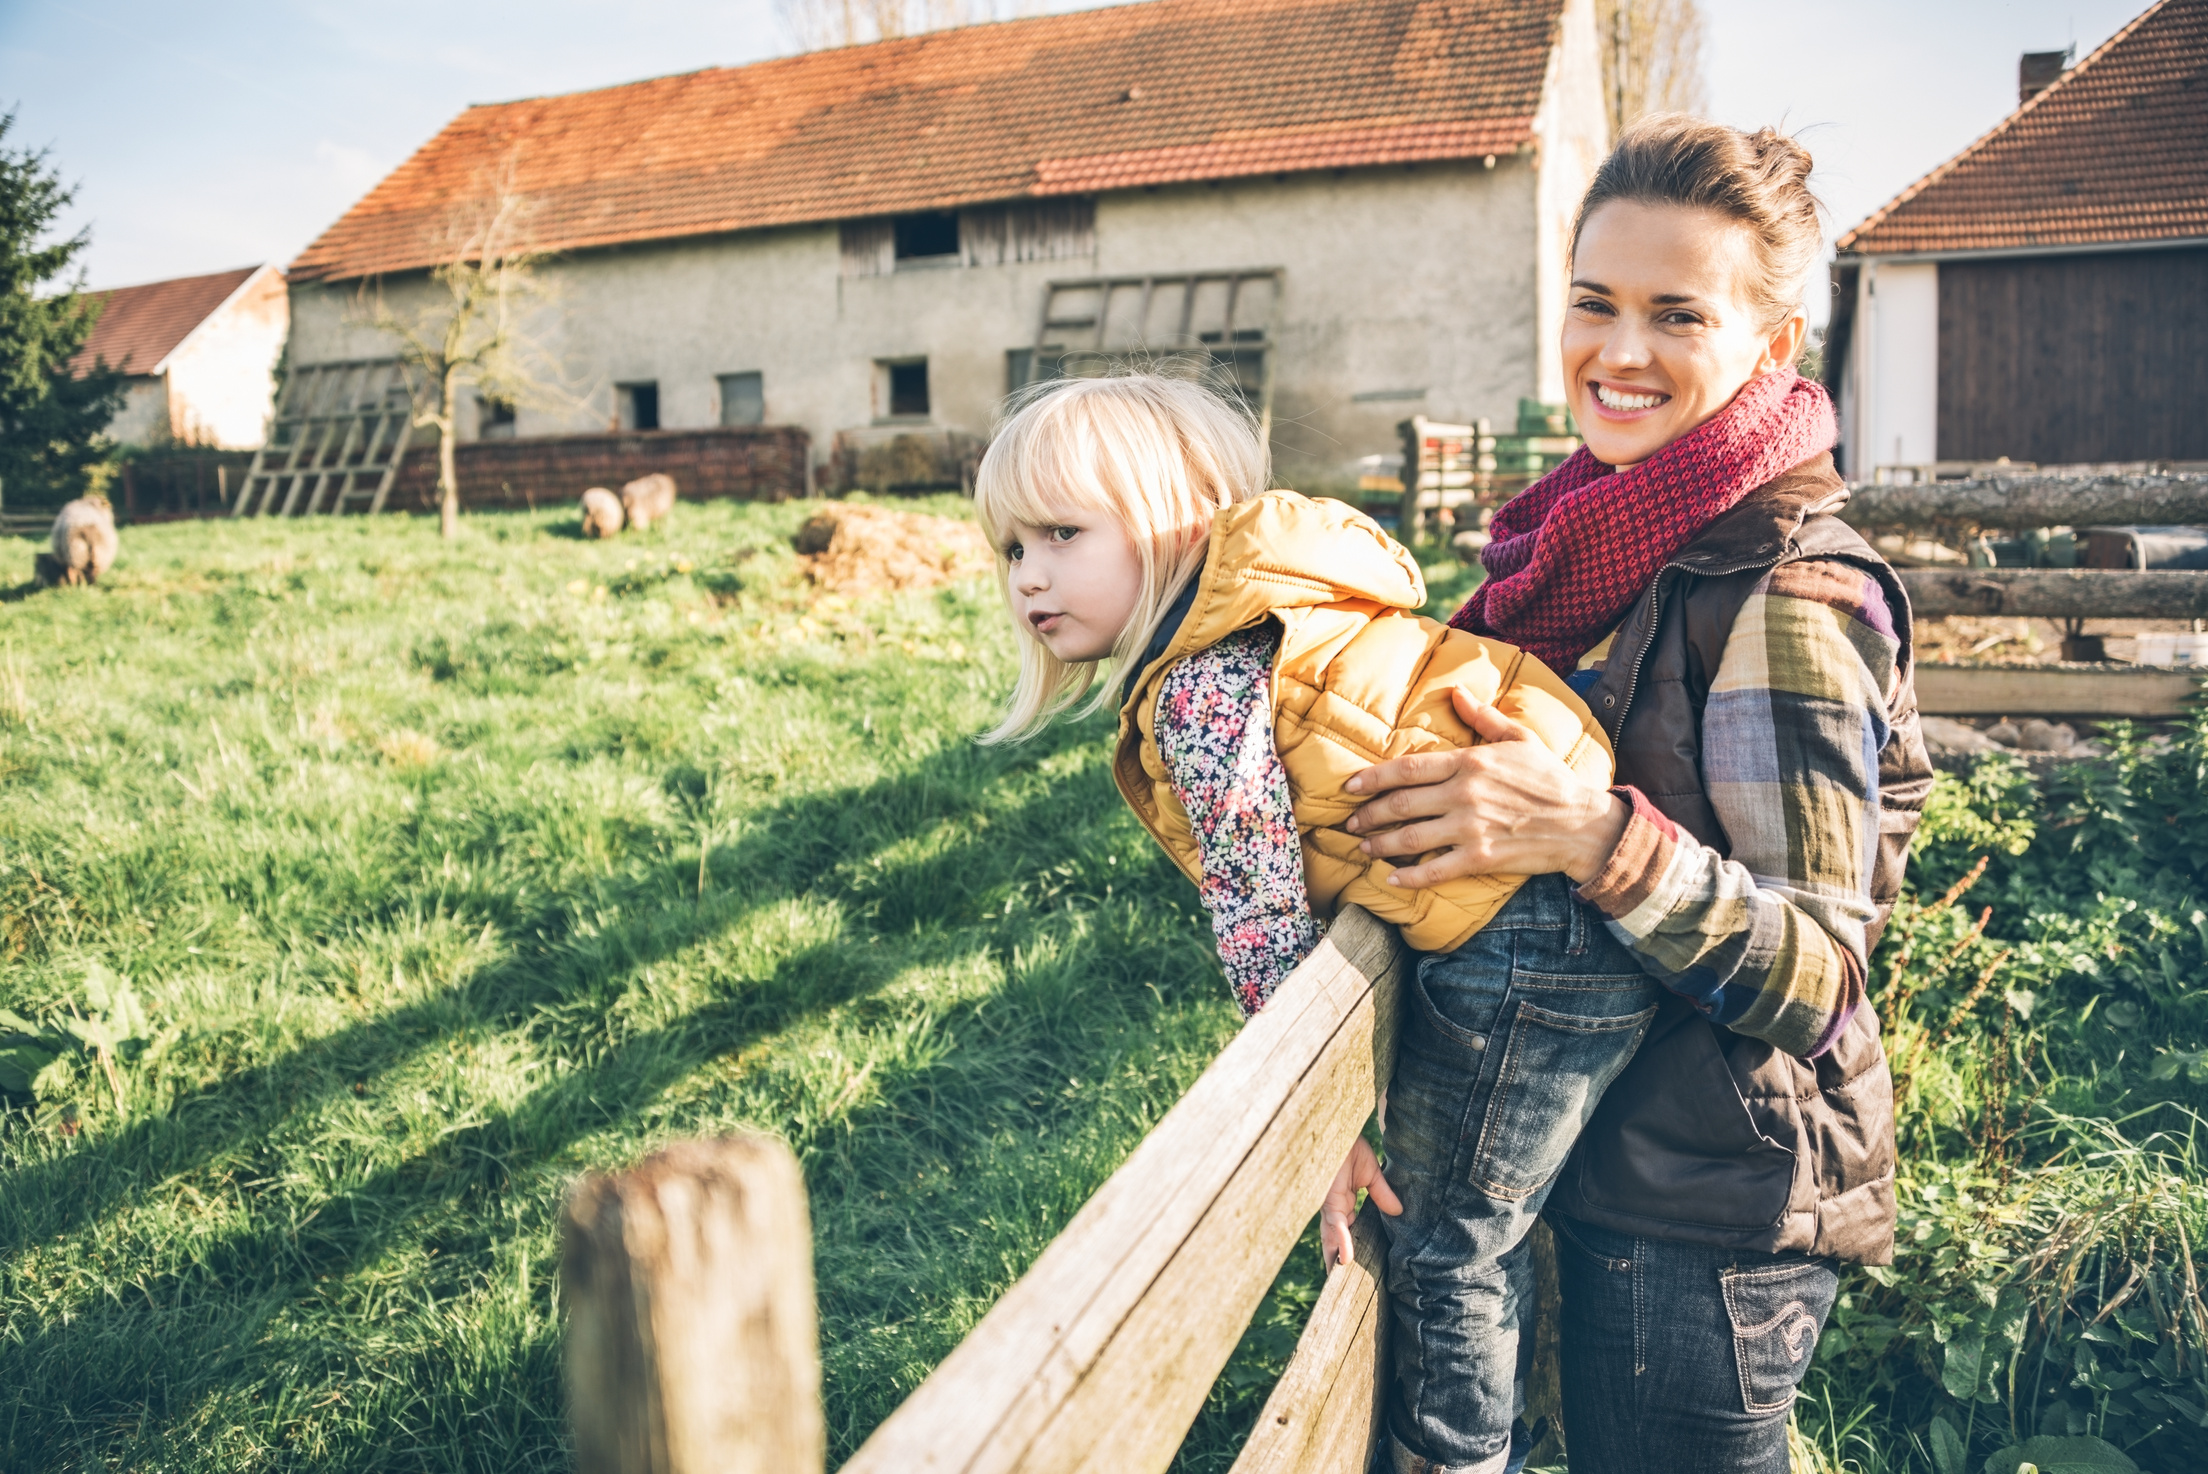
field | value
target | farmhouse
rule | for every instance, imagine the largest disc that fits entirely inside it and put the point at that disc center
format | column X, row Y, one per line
column 1356, row 210
column 198, row 354
column 2044, row 294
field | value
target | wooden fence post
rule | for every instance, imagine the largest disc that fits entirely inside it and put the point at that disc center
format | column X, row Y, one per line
column 692, row 1346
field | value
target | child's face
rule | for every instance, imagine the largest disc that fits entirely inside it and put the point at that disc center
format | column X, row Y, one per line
column 1074, row 583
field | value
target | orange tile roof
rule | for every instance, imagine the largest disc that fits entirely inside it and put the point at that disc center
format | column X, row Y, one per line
column 1113, row 98
column 2115, row 151
column 140, row 326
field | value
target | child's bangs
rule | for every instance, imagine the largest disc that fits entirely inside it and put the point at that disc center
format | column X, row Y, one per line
column 1043, row 465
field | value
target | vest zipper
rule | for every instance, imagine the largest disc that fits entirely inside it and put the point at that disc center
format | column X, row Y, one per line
column 1633, row 682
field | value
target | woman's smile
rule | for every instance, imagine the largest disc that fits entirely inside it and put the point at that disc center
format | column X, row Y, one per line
column 1625, row 402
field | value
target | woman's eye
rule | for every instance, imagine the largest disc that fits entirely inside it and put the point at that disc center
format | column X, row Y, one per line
column 1593, row 304
column 1680, row 319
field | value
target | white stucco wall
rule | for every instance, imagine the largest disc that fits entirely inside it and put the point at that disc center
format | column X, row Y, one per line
column 1396, row 281
column 1893, row 390
column 221, row 383
column 1573, row 135
column 144, row 417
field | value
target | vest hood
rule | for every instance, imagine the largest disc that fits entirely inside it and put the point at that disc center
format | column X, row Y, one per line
column 1283, row 552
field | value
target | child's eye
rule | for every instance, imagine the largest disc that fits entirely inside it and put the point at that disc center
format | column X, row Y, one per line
column 1064, row 534
column 1012, row 552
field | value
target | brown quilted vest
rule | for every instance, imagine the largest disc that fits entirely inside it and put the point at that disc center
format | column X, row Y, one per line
column 1710, row 1136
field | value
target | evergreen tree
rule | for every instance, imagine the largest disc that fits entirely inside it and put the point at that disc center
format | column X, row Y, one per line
column 51, row 420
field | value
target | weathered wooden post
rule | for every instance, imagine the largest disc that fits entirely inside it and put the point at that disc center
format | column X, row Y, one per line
column 692, row 1346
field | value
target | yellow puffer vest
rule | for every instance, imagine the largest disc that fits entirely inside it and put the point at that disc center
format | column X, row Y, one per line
column 1359, row 679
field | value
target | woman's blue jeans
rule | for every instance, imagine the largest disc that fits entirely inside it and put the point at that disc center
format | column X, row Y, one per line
column 1506, row 1045
column 1681, row 1356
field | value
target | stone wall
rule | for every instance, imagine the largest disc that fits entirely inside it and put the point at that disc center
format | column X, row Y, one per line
column 765, row 464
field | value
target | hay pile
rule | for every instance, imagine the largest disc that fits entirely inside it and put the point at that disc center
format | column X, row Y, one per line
column 856, row 550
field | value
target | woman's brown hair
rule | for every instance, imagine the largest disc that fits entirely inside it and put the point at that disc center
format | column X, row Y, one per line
column 1759, row 179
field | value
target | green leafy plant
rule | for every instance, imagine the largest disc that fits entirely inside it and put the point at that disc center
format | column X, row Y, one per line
column 37, row 1059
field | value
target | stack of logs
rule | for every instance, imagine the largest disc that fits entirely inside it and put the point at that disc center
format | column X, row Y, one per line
column 1953, row 510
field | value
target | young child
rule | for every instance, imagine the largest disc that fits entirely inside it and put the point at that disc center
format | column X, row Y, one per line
column 1262, row 650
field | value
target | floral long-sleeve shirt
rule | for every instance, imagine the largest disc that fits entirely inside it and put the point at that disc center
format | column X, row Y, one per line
column 1770, row 941
column 1215, row 733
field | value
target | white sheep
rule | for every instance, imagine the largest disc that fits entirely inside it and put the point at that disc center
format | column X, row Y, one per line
column 601, row 513
column 84, row 543
column 648, row 499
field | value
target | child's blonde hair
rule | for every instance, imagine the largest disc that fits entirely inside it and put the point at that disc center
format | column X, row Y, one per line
column 1160, row 455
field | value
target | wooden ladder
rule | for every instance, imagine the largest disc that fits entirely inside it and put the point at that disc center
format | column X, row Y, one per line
column 1232, row 316
column 336, row 442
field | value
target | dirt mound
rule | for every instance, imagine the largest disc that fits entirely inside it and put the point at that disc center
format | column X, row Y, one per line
column 857, row 550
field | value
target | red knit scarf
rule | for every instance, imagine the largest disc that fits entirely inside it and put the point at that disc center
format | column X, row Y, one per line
column 1571, row 552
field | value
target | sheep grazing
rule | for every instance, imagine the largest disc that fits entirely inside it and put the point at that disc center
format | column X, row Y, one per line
column 601, row 513
column 648, row 499
column 84, row 543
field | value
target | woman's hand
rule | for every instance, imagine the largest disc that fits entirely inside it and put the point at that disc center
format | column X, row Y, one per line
column 1360, row 1170
column 1510, row 807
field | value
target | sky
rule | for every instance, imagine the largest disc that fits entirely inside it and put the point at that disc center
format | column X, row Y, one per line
column 206, row 136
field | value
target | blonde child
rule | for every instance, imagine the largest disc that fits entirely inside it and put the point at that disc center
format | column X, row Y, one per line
column 1262, row 649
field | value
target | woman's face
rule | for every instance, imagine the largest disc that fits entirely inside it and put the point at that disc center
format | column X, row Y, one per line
column 1657, row 334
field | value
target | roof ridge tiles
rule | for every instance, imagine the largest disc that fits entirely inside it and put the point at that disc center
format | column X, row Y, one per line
column 978, row 113
column 1976, row 201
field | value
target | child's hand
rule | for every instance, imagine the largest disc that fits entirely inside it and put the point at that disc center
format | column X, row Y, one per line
column 1360, row 1170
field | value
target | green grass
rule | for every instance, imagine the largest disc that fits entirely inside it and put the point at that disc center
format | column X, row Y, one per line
column 445, row 874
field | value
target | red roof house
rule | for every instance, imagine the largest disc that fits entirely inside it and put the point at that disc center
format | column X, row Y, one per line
column 2042, row 294
column 198, row 352
column 1358, row 206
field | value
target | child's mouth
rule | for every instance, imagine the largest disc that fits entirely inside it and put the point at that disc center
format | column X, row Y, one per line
column 1044, row 623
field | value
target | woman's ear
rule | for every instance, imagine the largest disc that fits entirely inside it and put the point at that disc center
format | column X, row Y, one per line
column 1785, row 345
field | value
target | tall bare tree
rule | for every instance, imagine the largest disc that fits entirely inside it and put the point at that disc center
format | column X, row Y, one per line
column 473, row 332
column 1651, row 58
column 818, row 24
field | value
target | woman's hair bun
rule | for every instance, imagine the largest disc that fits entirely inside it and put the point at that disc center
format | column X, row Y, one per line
column 1759, row 179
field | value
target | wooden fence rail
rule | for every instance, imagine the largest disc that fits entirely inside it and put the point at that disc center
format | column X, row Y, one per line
column 2032, row 501
column 2056, row 593
column 1099, row 1358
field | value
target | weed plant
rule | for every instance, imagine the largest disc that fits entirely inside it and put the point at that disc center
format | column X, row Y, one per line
column 436, row 875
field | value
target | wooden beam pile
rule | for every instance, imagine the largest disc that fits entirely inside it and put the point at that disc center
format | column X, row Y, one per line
column 2026, row 501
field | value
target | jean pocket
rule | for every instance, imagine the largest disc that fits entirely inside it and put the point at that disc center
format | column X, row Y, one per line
column 1554, row 1071
column 1777, row 1312
column 1461, row 992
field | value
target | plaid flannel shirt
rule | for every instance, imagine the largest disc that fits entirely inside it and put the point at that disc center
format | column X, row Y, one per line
column 1770, row 940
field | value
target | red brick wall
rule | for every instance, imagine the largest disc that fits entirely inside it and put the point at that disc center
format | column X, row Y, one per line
column 765, row 464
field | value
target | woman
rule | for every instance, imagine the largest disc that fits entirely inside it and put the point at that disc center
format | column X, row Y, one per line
column 1749, row 656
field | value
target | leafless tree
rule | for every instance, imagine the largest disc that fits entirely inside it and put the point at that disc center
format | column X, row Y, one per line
column 474, row 331
column 1651, row 58
column 818, row 24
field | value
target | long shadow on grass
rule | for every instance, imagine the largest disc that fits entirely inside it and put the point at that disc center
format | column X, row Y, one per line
column 228, row 1323
column 561, row 988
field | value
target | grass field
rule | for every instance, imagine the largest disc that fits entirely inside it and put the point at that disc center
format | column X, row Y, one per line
column 443, row 874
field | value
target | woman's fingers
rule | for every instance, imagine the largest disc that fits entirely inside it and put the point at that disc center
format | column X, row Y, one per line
column 1488, row 722
column 1405, row 772
column 1448, row 865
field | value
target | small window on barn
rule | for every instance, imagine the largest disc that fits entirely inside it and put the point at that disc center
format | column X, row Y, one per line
column 636, row 406
column 743, row 399
column 903, row 388
column 928, row 239
column 494, row 419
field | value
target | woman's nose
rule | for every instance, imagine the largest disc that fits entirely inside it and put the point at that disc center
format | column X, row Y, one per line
column 1625, row 348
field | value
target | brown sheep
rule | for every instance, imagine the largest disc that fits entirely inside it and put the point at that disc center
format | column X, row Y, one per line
column 601, row 513
column 84, row 543
column 648, row 499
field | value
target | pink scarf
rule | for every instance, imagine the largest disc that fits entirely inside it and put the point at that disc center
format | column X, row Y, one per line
column 1574, row 550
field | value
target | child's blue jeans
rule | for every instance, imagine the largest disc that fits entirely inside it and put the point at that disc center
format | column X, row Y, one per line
column 1506, row 1045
